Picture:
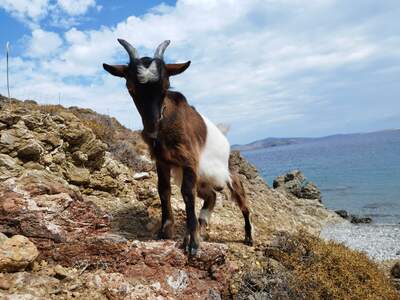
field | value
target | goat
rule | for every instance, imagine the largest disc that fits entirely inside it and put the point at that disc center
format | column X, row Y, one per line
column 183, row 143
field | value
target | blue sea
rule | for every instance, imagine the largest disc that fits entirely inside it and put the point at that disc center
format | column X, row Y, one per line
column 359, row 173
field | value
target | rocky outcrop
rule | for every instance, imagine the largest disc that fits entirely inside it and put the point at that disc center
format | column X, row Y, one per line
column 355, row 219
column 296, row 184
column 93, row 216
column 342, row 213
column 137, row 270
column 360, row 220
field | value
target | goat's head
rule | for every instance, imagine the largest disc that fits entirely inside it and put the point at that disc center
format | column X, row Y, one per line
column 147, row 80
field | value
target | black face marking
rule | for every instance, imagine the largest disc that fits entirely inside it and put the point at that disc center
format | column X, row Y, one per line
column 148, row 96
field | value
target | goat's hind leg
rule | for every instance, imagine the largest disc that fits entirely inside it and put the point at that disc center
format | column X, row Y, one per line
column 239, row 195
column 207, row 193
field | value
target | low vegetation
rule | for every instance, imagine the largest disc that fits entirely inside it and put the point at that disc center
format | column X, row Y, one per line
column 305, row 267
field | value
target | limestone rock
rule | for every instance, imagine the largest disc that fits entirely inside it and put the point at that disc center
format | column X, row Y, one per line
column 59, row 158
column 344, row 214
column 360, row 220
column 4, row 282
column 77, row 175
column 80, row 157
column 9, row 119
column 75, row 136
column 51, row 139
column 240, row 165
column 295, row 183
column 141, row 175
column 9, row 167
column 30, row 152
column 16, row 253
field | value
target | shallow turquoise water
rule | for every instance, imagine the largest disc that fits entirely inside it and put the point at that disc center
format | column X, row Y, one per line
column 359, row 173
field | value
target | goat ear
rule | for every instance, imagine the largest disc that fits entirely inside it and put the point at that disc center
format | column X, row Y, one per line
column 175, row 69
column 116, row 70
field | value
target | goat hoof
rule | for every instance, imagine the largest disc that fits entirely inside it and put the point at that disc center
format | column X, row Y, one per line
column 248, row 241
column 166, row 233
column 162, row 235
column 185, row 243
column 190, row 246
column 193, row 251
column 194, row 245
column 203, row 230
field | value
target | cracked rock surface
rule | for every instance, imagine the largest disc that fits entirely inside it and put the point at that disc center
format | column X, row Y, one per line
column 81, row 218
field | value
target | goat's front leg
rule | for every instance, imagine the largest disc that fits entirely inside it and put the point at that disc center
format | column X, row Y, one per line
column 164, row 191
column 192, row 240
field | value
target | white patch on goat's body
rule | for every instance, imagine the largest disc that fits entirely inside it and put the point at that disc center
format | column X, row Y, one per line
column 214, row 157
column 205, row 215
column 147, row 74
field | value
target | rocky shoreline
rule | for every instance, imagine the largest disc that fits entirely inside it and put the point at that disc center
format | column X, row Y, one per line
column 380, row 242
column 79, row 211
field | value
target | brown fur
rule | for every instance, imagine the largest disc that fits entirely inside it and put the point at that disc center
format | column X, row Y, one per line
column 182, row 134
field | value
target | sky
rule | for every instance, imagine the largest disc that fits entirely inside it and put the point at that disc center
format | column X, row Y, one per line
column 268, row 68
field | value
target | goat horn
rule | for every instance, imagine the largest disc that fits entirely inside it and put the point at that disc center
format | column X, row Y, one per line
column 160, row 49
column 133, row 54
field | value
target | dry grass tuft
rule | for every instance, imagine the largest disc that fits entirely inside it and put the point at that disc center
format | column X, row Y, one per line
column 314, row 269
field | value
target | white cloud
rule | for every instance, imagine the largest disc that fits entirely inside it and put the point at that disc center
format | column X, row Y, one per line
column 76, row 7
column 60, row 13
column 256, row 64
column 26, row 10
column 43, row 44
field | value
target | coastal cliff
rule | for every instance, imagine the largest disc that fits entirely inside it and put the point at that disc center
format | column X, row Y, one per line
column 79, row 211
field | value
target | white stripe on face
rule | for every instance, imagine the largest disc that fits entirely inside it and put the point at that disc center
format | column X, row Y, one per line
column 148, row 74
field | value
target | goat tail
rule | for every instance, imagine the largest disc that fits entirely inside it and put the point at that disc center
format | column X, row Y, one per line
column 224, row 128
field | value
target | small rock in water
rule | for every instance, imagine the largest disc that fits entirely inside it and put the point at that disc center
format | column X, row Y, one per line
column 344, row 214
column 360, row 220
column 297, row 184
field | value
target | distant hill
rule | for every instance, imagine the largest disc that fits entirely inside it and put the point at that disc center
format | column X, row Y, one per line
column 275, row 142
column 270, row 142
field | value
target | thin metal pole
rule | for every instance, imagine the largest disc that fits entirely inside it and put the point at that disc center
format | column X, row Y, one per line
column 8, row 80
